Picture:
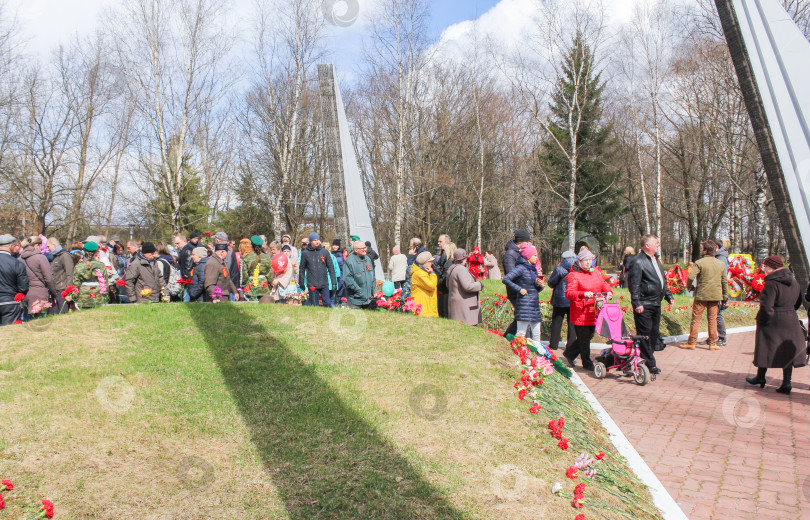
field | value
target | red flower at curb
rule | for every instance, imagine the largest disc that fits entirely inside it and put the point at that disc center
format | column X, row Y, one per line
column 7, row 484
column 535, row 408
column 19, row 297
column 47, row 506
column 563, row 444
column 571, row 472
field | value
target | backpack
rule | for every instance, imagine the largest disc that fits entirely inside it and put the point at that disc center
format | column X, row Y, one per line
column 173, row 285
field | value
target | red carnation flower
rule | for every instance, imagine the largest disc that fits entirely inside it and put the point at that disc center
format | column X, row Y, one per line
column 2, row 503
column 600, row 455
column 552, row 425
column 580, row 489
column 121, row 283
column 93, row 295
column 557, row 434
column 344, row 300
column 576, row 503
column 8, row 484
column 47, row 506
column 312, row 288
column 522, row 393
column 571, row 472
column 563, row 444
column 580, row 517
column 264, row 284
column 535, row 408
column 19, row 297
column 561, row 422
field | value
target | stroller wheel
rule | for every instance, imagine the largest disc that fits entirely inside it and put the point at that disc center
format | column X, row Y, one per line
column 599, row 370
column 642, row 375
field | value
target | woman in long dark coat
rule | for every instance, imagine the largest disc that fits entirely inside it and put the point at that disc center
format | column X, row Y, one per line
column 780, row 341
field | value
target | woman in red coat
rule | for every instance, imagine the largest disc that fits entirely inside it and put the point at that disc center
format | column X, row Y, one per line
column 584, row 281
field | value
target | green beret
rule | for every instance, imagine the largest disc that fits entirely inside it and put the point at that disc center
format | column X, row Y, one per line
column 256, row 240
column 354, row 238
column 90, row 246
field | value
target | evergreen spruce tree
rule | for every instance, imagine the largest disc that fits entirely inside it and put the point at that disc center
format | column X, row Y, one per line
column 597, row 196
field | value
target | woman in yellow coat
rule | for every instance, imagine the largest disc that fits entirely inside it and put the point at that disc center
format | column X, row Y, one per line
column 423, row 285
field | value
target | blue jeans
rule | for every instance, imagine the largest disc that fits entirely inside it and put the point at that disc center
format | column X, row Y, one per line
column 186, row 296
column 323, row 293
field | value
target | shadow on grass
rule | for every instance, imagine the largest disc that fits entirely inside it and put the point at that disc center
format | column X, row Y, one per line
column 324, row 459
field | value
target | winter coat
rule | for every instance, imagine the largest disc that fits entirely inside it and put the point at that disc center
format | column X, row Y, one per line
column 184, row 261
column 646, row 289
column 524, row 276
column 559, row 282
column 86, row 279
column 780, row 340
column 338, row 273
column 217, row 275
column 62, row 267
column 398, row 267
column 316, row 268
column 358, row 275
column 510, row 259
column 196, row 291
column 580, row 282
column 165, row 267
column 40, row 277
column 13, row 278
column 722, row 255
column 462, row 301
column 143, row 274
column 710, row 274
column 491, row 263
column 423, row 290
column 257, row 283
column 440, row 266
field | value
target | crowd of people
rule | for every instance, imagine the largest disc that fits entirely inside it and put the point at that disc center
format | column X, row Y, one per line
column 39, row 276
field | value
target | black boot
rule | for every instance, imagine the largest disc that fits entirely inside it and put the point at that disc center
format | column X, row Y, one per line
column 787, row 374
column 759, row 380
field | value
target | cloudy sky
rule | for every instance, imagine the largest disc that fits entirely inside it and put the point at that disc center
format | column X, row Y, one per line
column 46, row 23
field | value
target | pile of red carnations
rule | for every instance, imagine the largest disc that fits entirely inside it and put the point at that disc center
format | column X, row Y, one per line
column 43, row 511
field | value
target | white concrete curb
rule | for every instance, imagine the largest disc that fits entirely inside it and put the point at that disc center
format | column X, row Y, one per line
column 661, row 497
column 673, row 339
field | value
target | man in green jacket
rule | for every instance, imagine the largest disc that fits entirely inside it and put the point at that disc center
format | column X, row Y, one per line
column 358, row 274
column 711, row 290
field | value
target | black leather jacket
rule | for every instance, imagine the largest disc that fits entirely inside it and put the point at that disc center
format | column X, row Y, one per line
column 13, row 278
column 645, row 286
column 184, row 261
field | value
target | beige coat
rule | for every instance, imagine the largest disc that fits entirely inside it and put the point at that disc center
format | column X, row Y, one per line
column 710, row 274
column 463, row 304
column 216, row 274
column 143, row 274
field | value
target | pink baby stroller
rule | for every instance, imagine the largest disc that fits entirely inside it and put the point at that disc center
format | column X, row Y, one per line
column 624, row 354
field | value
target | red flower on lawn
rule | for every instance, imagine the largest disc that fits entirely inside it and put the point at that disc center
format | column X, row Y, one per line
column 7, row 484
column 535, row 408
column 576, row 503
column 47, row 506
column 580, row 517
column 121, row 283
column 17, row 322
column 579, row 491
column 2, row 504
column 19, row 297
column 563, row 444
column 600, row 455
column 522, row 393
column 561, row 422
column 571, row 472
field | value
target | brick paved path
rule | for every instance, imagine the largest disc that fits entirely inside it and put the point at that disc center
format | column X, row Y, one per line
column 722, row 448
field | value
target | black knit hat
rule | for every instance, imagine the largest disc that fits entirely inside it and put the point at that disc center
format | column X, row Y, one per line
column 148, row 247
column 521, row 235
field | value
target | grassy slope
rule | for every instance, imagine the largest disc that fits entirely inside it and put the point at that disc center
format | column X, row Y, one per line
column 254, row 411
column 673, row 322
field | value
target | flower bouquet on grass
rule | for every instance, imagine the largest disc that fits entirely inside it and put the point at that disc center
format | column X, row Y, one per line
column 38, row 306
column 397, row 303
column 32, row 511
column 296, row 298
column 216, row 294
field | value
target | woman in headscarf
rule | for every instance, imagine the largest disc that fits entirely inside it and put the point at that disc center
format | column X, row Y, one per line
column 584, row 282
column 780, row 340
